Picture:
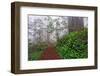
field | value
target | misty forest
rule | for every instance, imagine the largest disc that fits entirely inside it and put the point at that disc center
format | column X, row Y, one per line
column 57, row 37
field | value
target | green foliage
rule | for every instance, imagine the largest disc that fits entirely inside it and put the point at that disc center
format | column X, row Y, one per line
column 39, row 46
column 35, row 51
column 74, row 45
column 35, row 55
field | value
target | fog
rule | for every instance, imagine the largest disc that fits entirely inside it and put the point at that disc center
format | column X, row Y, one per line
column 51, row 28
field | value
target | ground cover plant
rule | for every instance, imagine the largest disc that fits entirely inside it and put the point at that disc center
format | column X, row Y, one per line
column 35, row 51
column 74, row 45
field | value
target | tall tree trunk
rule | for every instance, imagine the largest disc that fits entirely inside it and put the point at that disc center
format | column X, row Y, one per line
column 75, row 23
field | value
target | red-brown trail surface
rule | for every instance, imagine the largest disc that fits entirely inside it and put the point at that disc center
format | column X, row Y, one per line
column 50, row 54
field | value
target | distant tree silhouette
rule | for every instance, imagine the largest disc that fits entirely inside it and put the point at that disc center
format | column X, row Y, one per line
column 47, row 29
column 75, row 23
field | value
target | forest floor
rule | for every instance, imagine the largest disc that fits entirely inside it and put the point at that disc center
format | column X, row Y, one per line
column 50, row 54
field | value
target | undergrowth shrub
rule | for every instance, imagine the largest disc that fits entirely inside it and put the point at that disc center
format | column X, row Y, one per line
column 74, row 45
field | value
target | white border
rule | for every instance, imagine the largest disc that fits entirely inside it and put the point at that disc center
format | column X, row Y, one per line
column 25, row 64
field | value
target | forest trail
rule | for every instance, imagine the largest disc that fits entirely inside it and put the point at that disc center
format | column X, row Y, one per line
column 49, row 54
